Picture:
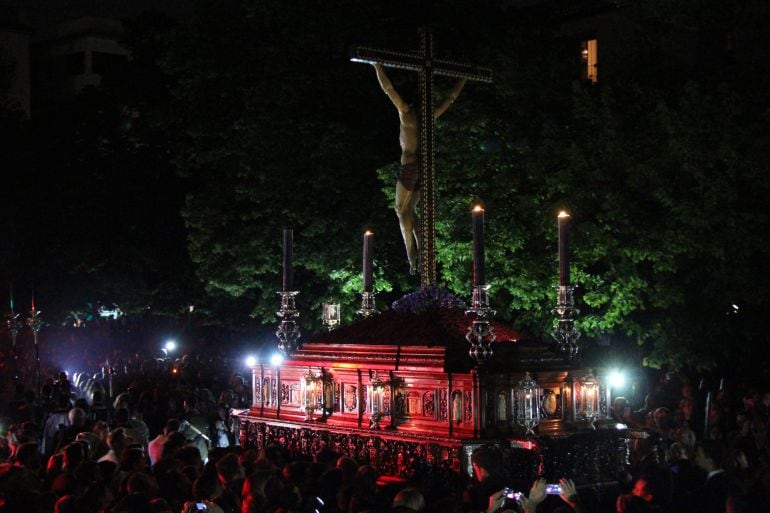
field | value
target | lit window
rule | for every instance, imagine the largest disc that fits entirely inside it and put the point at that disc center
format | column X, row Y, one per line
column 589, row 51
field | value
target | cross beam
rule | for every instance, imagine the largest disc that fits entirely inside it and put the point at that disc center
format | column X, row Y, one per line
column 426, row 66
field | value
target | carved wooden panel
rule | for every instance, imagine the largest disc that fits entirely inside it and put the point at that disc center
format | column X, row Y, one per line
column 430, row 404
column 393, row 457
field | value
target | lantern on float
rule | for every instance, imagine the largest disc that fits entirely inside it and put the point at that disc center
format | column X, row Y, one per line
column 377, row 387
column 309, row 387
column 589, row 397
column 527, row 395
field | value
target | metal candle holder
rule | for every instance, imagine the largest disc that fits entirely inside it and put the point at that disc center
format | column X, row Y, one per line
column 367, row 305
column 565, row 332
column 480, row 332
column 35, row 322
column 288, row 332
column 14, row 326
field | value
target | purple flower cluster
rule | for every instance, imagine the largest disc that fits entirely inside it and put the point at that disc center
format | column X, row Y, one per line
column 432, row 297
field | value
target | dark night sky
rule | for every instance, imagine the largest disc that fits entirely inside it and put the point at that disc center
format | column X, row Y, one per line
column 45, row 13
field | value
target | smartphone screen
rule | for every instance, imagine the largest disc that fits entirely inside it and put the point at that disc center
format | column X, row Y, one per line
column 552, row 489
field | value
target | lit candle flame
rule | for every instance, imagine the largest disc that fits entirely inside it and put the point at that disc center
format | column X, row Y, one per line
column 368, row 232
column 563, row 213
column 478, row 208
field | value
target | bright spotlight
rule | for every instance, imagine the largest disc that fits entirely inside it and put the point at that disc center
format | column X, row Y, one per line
column 617, row 379
column 251, row 361
column 170, row 345
column 276, row 360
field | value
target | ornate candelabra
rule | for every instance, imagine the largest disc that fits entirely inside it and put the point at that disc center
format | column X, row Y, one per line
column 14, row 326
column 367, row 305
column 288, row 332
column 35, row 322
column 565, row 332
column 480, row 332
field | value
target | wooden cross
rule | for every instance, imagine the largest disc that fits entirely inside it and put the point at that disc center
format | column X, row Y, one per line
column 426, row 66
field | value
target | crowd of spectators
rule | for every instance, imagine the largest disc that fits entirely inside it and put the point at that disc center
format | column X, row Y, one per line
column 143, row 434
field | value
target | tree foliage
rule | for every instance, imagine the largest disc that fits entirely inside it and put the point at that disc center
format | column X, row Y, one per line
column 269, row 125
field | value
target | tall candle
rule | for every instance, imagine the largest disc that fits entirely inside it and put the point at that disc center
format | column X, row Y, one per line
column 288, row 255
column 478, row 246
column 563, row 249
column 368, row 252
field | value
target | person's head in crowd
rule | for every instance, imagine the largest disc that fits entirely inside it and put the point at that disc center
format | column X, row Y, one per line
column 122, row 401
column 139, row 482
column 229, row 470
column 172, row 426
column 662, row 419
column 89, row 438
column 294, row 473
column 207, row 487
column 28, row 456
column 686, row 408
column 117, row 440
column 172, row 443
column 709, row 455
column 716, row 432
column 122, row 416
column 74, row 455
column 326, row 456
column 676, row 452
column 175, row 487
column 64, row 484
column 751, row 399
column 486, row 462
column 100, row 429
column 248, row 459
column 629, row 503
column 46, row 391
column 77, row 417
column 258, row 484
column 758, row 429
column 190, row 404
column 347, row 466
column 95, row 498
column 620, row 408
column 367, row 477
column 735, row 460
column 67, row 504
column 160, row 505
column 82, row 403
column 686, row 437
column 133, row 459
column 190, row 456
column 409, row 500
column 654, row 485
column 63, row 402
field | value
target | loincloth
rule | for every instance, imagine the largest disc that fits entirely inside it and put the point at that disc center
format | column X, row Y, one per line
column 409, row 176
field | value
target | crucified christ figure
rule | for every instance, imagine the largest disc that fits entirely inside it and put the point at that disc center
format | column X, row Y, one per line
column 408, row 183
